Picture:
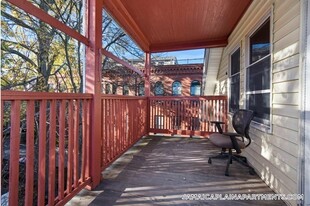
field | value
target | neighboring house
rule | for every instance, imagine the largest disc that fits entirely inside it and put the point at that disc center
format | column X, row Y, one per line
column 262, row 69
column 167, row 79
column 176, row 80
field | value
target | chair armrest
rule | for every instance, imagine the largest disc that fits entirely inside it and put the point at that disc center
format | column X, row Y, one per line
column 217, row 122
column 218, row 125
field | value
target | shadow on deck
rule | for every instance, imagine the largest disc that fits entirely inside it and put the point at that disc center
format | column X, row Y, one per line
column 160, row 170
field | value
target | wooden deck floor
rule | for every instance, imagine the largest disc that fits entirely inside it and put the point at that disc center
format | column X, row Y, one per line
column 160, row 170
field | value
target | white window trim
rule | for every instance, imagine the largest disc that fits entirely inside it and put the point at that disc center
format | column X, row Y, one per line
column 268, row 14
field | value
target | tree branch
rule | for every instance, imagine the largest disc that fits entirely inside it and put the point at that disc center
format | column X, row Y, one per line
column 20, row 44
column 16, row 21
column 12, row 51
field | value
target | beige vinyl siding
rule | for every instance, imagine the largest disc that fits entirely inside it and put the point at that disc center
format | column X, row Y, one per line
column 214, row 59
column 274, row 155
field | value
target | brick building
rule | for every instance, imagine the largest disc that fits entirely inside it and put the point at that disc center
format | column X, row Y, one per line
column 166, row 80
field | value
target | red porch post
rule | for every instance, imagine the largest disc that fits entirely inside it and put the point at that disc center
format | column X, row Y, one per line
column 147, row 88
column 147, row 84
column 93, row 85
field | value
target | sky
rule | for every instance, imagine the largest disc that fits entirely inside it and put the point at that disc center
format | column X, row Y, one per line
column 186, row 54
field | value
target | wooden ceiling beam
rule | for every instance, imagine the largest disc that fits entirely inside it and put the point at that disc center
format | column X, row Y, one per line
column 188, row 45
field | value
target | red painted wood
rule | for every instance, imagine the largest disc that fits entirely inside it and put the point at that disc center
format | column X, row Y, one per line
column 84, row 144
column 187, row 16
column 61, row 157
column 122, row 62
column 107, row 137
column 14, row 153
column 118, row 126
column 122, row 132
column 73, row 193
column 147, row 84
column 121, row 120
column 193, row 113
column 93, row 76
column 20, row 95
column 47, row 116
column 76, row 142
column 105, row 132
column 70, row 146
column 52, row 156
column 42, row 154
column 88, row 154
column 29, row 154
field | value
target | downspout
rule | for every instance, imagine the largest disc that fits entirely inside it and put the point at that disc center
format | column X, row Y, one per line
column 205, row 70
column 304, row 130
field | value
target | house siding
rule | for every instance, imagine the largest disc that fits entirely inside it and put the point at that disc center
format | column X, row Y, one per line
column 274, row 155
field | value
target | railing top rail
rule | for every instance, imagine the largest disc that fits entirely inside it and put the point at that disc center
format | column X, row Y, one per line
column 111, row 96
column 218, row 97
column 21, row 95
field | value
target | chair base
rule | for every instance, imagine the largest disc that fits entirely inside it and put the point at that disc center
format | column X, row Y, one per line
column 230, row 156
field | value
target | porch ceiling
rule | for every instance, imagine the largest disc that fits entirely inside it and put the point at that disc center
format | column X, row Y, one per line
column 166, row 25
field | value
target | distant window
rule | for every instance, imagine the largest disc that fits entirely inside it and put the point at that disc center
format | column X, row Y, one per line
column 176, row 88
column 108, row 88
column 159, row 89
column 125, row 89
column 114, row 88
column 234, row 81
column 195, row 88
column 258, row 74
column 141, row 89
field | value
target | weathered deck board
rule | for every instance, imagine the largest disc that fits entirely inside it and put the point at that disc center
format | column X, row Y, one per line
column 159, row 170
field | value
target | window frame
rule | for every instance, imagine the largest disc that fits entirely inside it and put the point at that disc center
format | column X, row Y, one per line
column 230, row 76
column 125, row 88
column 180, row 88
column 163, row 88
column 108, row 88
column 191, row 86
column 260, row 126
column 141, row 89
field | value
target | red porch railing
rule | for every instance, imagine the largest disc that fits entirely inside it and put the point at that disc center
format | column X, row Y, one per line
column 124, row 121
column 55, row 129
column 187, row 115
column 55, row 165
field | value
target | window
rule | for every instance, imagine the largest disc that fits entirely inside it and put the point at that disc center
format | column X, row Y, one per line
column 176, row 88
column 108, row 88
column 125, row 89
column 114, row 88
column 141, row 89
column 234, row 81
column 195, row 88
column 159, row 89
column 258, row 74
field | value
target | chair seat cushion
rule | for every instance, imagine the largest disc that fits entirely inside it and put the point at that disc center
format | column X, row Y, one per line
column 224, row 141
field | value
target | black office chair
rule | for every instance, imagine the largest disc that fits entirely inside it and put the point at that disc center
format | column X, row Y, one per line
column 234, row 141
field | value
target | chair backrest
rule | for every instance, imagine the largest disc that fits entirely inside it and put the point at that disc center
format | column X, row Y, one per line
column 241, row 122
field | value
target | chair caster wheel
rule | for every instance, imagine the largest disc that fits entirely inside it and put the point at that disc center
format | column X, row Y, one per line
column 210, row 161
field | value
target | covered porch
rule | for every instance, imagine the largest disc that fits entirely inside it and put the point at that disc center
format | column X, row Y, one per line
column 66, row 140
column 164, row 170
